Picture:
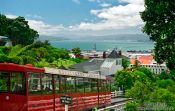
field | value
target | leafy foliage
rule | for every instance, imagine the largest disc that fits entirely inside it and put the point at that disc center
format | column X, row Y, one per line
column 139, row 92
column 127, row 78
column 77, row 52
column 163, row 95
column 124, row 79
column 131, row 106
column 165, row 83
column 147, row 72
column 159, row 18
column 125, row 63
column 17, row 30
column 147, row 89
column 40, row 54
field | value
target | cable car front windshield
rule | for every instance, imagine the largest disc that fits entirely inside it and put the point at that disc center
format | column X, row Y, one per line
column 12, row 82
column 4, row 78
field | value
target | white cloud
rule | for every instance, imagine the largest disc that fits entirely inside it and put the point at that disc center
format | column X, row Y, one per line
column 115, row 17
column 105, row 5
column 121, row 17
column 45, row 29
column 141, row 2
column 11, row 16
column 76, row 1
column 41, row 27
column 35, row 16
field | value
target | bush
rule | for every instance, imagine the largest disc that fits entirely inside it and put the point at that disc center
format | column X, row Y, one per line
column 131, row 106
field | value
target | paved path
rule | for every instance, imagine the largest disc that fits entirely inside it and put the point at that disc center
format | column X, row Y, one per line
column 116, row 100
column 117, row 104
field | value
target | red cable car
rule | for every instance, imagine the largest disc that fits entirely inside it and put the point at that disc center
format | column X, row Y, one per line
column 27, row 88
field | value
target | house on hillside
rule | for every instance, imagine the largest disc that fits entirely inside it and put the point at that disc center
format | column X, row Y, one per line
column 112, row 63
column 105, row 66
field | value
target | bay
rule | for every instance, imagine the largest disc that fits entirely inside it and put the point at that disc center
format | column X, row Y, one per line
column 104, row 44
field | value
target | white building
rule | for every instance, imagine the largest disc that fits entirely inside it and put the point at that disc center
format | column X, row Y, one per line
column 155, row 68
column 112, row 64
column 148, row 62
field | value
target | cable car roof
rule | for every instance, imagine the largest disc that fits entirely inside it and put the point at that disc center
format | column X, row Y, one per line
column 73, row 73
column 20, row 68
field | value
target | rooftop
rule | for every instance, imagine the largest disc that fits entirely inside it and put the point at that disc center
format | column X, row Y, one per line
column 115, row 54
column 89, row 65
column 143, row 59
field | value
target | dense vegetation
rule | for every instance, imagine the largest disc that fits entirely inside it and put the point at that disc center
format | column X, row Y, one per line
column 159, row 18
column 147, row 90
column 39, row 54
column 17, row 30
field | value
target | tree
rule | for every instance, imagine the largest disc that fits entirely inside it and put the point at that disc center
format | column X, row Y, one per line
column 124, row 79
column 127, row 78
column 131, row 106
column 146, row 95
column 165, row 83
column 125, row 63
column 139, row 76
column 159, row 18
column 147, row 72
column 163, row 96
column 17, row 30
column 76, row 51
column 139, row 92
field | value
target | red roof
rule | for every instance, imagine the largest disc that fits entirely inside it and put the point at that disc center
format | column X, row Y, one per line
column 143, row 59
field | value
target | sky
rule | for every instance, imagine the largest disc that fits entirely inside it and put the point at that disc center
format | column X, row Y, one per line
column 78, row 17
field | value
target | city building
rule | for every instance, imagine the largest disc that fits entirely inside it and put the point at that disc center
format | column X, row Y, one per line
column 148, row 61
column 108, row 65
column 112, row 63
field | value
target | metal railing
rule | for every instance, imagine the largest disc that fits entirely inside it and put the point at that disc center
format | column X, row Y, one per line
column 116, row 94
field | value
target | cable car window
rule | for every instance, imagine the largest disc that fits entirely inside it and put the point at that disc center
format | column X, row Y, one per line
column 34, row 83
column 57, row 83
column 17, row 82
column 103, row 82
column 47, row 85
column 87, row 84
column 100, row 85
column 93, row 85
column 62, row 84
column 80, row 84
column 4, row 77
column 70, row 84
column 108, row 86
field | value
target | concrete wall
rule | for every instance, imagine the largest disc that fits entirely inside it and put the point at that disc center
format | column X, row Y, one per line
column 113, row 68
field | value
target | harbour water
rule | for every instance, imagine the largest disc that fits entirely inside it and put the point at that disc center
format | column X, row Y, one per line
column 104, row 44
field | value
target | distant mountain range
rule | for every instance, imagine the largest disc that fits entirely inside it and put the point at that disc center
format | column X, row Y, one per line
column 133, row 37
